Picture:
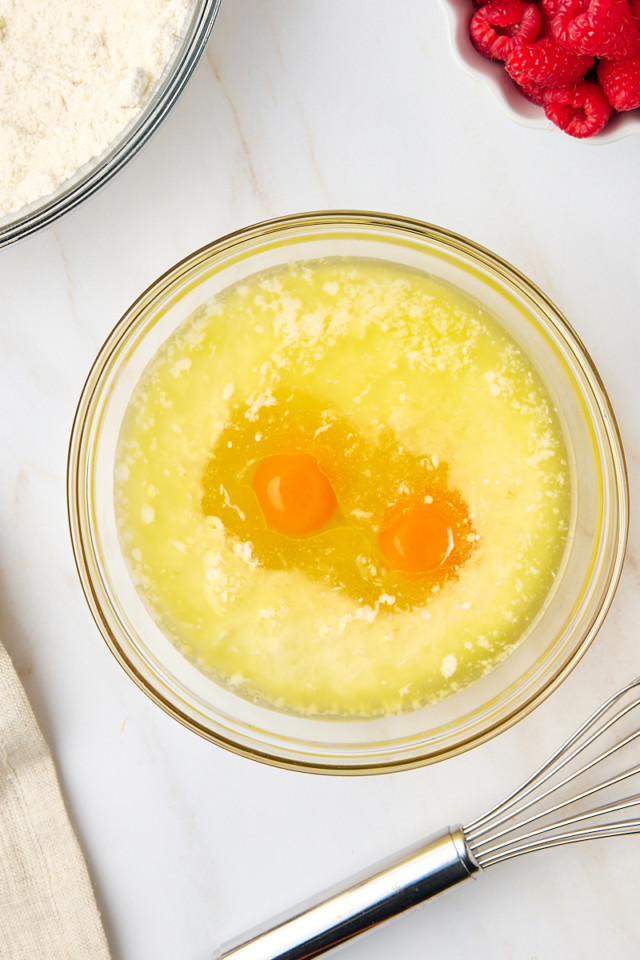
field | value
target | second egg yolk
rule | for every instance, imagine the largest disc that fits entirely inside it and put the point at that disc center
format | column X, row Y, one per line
column 295, row 495
column 417, row 541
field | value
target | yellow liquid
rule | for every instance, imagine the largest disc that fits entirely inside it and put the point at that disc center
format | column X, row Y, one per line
column 400, row 385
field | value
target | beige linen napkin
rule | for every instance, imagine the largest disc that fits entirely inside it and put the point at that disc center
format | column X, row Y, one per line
column 47, row 907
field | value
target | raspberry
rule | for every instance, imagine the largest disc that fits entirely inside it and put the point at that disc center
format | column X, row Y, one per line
column 599, row 28
column 500, row 25
column 580, row 111
column 547, row 64
column 566, row 13
column 533, row 92
column 548, row 9
column 620, row 81
column 550, row 46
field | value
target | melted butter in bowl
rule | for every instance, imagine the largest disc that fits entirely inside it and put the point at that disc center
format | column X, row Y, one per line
column 346, row 493
column 409, row 427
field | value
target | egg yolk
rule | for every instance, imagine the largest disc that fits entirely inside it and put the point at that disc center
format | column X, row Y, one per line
column 295, row 495
column 419, row 540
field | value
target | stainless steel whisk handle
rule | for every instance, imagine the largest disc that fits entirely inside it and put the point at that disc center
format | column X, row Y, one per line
column 391, row 887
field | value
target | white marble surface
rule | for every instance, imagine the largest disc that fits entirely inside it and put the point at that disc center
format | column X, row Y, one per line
column 300, row 105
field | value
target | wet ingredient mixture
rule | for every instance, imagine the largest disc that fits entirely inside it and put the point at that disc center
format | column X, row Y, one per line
column 342, row 489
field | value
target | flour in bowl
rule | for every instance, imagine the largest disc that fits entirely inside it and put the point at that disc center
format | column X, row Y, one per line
column 72, row 76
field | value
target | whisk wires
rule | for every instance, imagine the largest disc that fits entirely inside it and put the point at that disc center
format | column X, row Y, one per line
column 500, row 834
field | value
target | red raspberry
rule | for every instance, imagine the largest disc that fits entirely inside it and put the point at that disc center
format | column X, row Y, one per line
column 548, row 9
column 634, row 6
column 500, row 25
column 599, row 28
column 566, row 13
column 533, row 92
column 545, row 25
column 580, row 111
column 620, row 81
column 547, row 64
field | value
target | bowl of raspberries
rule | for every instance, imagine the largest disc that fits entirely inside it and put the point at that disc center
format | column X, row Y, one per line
column 574, row 64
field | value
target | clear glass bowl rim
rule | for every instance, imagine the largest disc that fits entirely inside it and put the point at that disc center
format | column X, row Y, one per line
column 81, row 534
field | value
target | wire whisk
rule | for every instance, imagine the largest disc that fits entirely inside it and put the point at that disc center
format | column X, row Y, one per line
column 573, row 796
column 499, row 836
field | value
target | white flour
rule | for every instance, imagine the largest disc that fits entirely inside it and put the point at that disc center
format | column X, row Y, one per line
column 73, row 73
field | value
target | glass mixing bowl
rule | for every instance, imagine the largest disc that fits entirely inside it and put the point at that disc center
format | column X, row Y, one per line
column 551, row 645
column 92, row 175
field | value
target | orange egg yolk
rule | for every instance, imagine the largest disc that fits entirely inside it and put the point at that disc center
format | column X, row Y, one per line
column 417, row 541
column 295, row 495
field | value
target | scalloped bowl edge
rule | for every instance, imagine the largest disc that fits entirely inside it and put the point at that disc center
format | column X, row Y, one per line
column 490, row 74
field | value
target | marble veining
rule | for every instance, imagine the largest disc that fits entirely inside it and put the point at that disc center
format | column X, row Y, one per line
column 300, row 106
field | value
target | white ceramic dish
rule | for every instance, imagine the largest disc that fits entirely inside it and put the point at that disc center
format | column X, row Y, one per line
column 495, row 78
